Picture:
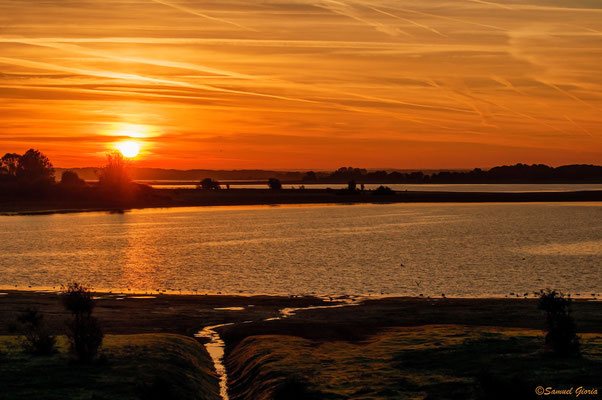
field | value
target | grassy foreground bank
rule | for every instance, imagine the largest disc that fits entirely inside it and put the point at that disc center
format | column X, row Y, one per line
column 146, row 367
column 425, row 362
column 389, row 348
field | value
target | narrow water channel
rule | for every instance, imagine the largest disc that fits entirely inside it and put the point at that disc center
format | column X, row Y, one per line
column 215, row 345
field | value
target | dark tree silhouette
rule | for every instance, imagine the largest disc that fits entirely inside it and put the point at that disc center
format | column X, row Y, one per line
column 38, row 340
column 274, row 184
column 71, row 179
column 34, row 166
column 209, row 184
column 562, row 331
column 351, row 186
column 519, row 173
column 114, row 177
column 9, row 164
column 84, row 331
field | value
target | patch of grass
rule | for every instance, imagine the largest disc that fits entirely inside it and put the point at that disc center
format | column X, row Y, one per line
column 427, row 362
column 129, row 367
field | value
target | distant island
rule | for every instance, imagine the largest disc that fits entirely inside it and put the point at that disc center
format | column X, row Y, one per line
column 519, row 173
column 29, row 184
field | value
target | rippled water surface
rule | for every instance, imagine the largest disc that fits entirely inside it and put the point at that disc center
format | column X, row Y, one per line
column 456, row 249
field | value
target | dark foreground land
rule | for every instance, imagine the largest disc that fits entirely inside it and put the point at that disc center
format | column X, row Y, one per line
column 392, row 348
column 158, row 198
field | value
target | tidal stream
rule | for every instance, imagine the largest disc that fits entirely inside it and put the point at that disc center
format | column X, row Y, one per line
column 215, row 344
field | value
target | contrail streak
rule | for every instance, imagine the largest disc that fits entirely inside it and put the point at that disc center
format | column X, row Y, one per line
column 428, row 28
column 451, row 19
column 568, row 94
column 348, row 11
column 163, row 63
column 578, row 126
column 134, row 77
column 505, row 7
column 199, row 14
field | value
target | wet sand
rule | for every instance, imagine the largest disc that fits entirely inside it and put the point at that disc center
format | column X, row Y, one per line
column 188, row 314
column 132, row 314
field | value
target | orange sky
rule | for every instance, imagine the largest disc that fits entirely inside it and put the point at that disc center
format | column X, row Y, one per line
column 303, row 84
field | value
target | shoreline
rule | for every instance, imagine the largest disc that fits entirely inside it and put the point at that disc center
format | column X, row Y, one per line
column 328, row 298
column 179, row 198
column 188, row 314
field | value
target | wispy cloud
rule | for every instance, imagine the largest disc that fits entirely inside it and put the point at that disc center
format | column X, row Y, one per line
column 199, row 14
column 412, row 22
column 481, row 76
column 352, row 12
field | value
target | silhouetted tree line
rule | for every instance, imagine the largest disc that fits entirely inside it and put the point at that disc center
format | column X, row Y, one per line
column 26, row 174
column 519, row 173
column 32, row 176
column 32, row 167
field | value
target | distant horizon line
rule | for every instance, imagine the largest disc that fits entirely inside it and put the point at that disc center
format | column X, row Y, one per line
column 334, row 169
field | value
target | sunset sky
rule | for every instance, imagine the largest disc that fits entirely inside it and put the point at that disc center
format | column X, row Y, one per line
column 303, row 84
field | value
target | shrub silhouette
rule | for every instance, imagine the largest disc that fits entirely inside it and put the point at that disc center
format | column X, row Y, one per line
column 209, row 184
column 34, row 167
column 562, row 331
column 71, row 179
column 84, row 331
column 114, row 178
column 383, row 191
column 274, row 184
column 351, row 186
column 38, row 340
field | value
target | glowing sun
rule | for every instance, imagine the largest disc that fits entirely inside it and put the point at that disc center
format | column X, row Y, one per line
column 129, row 149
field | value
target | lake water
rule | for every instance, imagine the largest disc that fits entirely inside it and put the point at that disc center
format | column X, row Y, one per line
column 392, row 249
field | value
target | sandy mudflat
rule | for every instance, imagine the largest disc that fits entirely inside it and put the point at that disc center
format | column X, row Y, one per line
column 187, row 314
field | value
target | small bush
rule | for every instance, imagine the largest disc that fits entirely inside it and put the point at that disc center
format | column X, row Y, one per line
column 38, row 340
column 274, row 184
column 562, row 331
column 209, row 184
column 71, row 179
column 85, row 338
column 384, row 191
column 84, row 331
column 77, row 299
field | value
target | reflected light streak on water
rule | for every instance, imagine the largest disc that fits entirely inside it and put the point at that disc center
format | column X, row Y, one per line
column 399, row 249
